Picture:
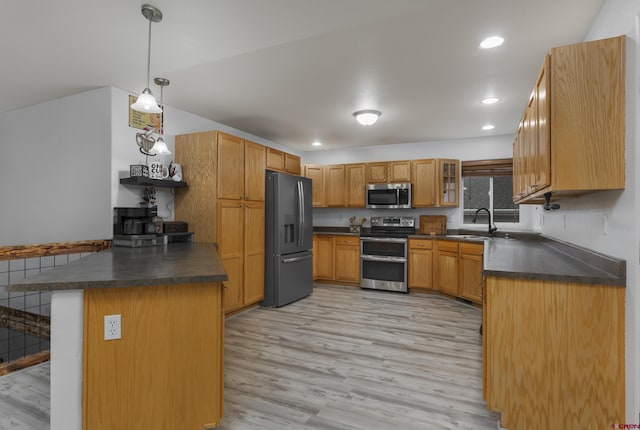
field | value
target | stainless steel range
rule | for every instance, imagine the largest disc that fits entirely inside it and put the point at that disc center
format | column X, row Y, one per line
column 383, row 253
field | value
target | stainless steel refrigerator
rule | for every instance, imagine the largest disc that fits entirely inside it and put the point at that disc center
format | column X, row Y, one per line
column 288, row 239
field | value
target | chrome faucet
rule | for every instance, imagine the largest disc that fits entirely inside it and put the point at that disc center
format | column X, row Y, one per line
column 492, row 227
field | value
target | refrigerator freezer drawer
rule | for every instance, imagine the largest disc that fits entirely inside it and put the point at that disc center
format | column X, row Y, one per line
column 289, row 278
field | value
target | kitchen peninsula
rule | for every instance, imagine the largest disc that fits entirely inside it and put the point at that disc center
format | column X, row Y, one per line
column 166, row 370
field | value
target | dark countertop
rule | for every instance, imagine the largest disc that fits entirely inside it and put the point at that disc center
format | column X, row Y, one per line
column 531, row 256
column 175, row 263
column 551, row 260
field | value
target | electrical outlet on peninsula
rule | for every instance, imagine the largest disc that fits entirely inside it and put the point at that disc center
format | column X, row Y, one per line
column 112, row 327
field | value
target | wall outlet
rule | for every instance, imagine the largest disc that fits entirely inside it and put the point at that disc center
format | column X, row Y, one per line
column 112, row 327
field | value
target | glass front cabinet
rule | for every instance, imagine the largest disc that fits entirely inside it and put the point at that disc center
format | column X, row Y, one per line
column 449, row 182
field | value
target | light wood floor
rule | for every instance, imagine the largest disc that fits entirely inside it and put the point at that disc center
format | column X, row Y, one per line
column 347, row 358
column 343, row 358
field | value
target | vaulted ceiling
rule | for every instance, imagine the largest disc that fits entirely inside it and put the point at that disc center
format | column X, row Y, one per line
column 294, row 71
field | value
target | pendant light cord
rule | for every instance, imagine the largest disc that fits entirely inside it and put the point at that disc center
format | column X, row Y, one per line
column 149, row 54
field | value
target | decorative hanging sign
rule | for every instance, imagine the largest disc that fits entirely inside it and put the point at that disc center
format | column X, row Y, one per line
column 141, row 120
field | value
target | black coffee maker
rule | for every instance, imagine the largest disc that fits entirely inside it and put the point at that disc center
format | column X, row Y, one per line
column 134, row 221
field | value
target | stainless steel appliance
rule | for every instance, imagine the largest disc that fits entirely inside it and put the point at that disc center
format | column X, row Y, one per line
column 389, row 196
column 288, row 239
column 383, row 253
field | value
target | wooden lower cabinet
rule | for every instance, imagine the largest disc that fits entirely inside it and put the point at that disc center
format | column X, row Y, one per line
column 347, row 258
column 421, row 264
column 554, row 354
column 470, row 271
column 253, row 290
column 241, row 251
column 167, row 370
column 446, row 267
column 336, row 258
column 324, row 257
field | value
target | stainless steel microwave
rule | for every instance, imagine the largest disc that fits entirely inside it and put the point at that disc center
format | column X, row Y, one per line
column 389, row 196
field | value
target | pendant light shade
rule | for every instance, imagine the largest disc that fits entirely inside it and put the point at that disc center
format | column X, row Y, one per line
column 160, row 147
column 146, row 102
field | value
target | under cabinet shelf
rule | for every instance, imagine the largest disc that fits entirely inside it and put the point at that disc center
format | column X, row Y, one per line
column 141, row 180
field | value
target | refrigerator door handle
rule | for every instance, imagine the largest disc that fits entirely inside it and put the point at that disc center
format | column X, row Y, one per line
column 300, row 213
column 295, row 259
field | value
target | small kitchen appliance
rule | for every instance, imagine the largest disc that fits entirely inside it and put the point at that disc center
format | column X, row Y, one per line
column 388, row 196
column 137, row 226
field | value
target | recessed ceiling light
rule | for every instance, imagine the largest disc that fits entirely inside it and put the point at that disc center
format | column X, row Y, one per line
column 489, row 100
column 316, row 143
column 488, row 127
column 491, row 42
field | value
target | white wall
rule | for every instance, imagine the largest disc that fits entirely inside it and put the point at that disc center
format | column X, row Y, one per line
column 55, row 164
column 608, row 221
column 480, row 148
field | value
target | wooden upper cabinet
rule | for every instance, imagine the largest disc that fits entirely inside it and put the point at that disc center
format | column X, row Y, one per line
column 377, row 173
column 573, row 130
column 292, row 164
column 230, row 167
column 399, row 171
column 275, row 159
column 315, row 172
column 448, row 182
column 424, row 183
column 283, row 162
column 355, row 183
column 254, row 166
column 335, row 185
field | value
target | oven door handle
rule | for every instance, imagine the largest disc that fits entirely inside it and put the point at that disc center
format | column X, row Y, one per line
column 383, row 239
column 379, row 258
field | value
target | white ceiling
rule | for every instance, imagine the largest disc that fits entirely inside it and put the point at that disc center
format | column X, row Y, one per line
column 293, row 71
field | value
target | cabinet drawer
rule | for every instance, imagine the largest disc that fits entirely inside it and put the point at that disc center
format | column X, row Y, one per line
column 347, row 240
column 420, row 244
column 448, row 245
column 471, row 248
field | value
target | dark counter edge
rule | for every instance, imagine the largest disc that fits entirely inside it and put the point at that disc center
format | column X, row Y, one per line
column 86, row 285
column 613, row 270
column 26, row 285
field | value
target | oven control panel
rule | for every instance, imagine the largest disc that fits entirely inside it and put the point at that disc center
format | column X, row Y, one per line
column 393, row 221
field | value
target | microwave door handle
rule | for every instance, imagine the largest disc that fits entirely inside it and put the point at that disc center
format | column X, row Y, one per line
column 300, row 213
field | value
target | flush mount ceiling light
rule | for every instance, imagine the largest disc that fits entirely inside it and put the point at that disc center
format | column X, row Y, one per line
column 316, row 143
column 146, row 102
column 367, row 117
column 489, row 100
column 488, row 127
column 491, row 42
column 160, row 147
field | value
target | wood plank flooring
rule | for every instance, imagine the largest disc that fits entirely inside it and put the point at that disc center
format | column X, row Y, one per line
column 347, row 358
column 343, row 358
column 24, row 399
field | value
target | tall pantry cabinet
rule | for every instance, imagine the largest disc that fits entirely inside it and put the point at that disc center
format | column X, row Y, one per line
column 227, row 190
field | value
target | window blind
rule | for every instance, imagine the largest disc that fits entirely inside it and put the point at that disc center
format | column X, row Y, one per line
column 497, row 167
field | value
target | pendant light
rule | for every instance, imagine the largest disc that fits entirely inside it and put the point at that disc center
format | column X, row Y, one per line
column 161, row 147
column 146, row 102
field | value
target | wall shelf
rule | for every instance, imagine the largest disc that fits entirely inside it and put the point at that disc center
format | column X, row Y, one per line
column 141, row 180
